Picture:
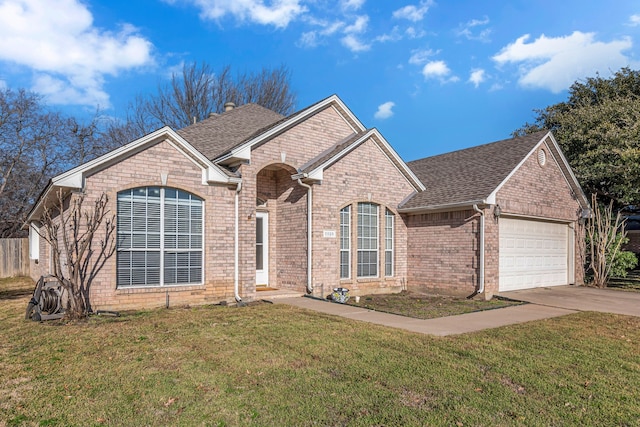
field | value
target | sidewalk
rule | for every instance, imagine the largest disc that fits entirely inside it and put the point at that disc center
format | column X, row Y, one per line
column 442, row 326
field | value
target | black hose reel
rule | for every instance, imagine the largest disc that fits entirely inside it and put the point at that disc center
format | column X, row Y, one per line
column 47, row 302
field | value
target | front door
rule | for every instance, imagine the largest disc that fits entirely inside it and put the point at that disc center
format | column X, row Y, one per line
column 262, row 249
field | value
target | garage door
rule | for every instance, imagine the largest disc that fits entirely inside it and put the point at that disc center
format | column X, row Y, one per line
column 533, row 254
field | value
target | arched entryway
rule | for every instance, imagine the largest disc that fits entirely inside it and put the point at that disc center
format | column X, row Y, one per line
column 281, row 229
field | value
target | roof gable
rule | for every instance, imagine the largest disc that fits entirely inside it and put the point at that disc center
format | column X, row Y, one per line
column 74, row 179
column 474, row 175
column 242, row 151
column 314, row 169
column 220, row 133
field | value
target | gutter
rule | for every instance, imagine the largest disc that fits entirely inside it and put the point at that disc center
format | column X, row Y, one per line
column 446, row 207
column 481, row 261
column 236, row 266
column 309, row 232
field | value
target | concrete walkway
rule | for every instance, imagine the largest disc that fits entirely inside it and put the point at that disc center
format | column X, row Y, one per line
column 441, row 326
column 544, row 303
column 581, row 298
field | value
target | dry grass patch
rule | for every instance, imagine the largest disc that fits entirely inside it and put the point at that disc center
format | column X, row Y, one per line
column 426, row 306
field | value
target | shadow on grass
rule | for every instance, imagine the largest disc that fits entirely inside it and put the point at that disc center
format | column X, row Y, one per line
column 11, row 294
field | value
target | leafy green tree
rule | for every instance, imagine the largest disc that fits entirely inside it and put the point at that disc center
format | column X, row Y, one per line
column 598, row 129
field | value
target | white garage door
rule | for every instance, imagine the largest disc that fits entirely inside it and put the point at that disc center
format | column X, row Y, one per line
column 533, row 254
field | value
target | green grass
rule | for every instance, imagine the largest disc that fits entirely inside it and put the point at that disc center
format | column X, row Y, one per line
column 422, row 306
column 275, row 365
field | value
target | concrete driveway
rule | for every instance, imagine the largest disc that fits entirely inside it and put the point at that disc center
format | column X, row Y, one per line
column 581, row 298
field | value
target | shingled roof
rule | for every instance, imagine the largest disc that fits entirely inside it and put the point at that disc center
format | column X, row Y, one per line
column 470, row 175
column 218, row 134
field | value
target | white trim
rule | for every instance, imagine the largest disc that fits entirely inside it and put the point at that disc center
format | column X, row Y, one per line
column 318, row 172
column 468, row 205
column 388, row 214
column 34, row 241
column 377, row 240
column 74, row 178
column 262, row 276
column 240, row 151
column 492, row 197
column 347, row 211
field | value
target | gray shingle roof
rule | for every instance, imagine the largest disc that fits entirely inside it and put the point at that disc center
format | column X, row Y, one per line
column 468, row 175
column 217, row 135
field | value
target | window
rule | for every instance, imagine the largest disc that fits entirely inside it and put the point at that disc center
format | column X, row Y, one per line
column 345, row 242
column 159, row 237
column 389, row 221
column 34, row 241
column 367, row 240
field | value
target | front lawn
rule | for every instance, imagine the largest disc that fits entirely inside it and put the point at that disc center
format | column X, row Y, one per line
column 422, row 306
column 275, row 365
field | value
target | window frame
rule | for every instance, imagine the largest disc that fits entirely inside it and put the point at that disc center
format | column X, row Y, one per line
column 345, row 242
column 184, row 201
column 389, row 242
column 372, row 236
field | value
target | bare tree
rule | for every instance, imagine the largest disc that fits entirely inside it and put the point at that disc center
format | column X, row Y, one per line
column 605, row 236
column 76, row 255
column 30, row 151
column 198, row 91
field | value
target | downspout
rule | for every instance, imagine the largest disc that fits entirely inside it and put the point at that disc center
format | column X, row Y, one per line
column 481, row 261
column 309, row 234
column 236, row 266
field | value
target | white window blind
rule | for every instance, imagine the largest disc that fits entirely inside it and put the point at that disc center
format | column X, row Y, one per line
column 367, row 240
column 160, row 233
column 345, row 242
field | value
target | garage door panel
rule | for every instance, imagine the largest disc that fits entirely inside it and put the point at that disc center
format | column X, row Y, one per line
column 532, row 254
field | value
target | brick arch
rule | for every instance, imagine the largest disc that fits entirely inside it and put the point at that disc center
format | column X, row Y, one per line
column 286, row 205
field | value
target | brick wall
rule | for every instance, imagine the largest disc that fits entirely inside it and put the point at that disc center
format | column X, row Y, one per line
column 269, row 176
column 145, row 169
column 359, row 176
column 443, row 252
column 364, row 175
column 541, row 192
column 443, row 247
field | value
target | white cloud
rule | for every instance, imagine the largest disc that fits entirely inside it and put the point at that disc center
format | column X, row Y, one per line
column 634, row 20
column 394, row 36
column 554, row 63
column 3, row 85
column 68, row 55
column 477, row 76
column 467, row 30
column 412, row 33
column 413, row 13
column 359, row 26
column 351, row 4
column 384, row 110
column 351, row 40
column 420, row 56
column 438, row 70
column 279, row 13
column 352, row 43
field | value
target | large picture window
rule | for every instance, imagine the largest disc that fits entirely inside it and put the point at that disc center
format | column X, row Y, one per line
column 159, row 237
column 367, row 240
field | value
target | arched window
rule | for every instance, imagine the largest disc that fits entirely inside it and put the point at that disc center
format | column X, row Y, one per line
column 160, row 237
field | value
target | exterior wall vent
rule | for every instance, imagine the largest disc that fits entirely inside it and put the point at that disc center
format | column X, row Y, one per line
column 542, row 157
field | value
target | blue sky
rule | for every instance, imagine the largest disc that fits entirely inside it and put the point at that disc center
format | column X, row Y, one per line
column 432, row 76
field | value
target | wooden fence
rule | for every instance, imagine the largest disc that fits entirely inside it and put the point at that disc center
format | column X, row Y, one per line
column 14, row 257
